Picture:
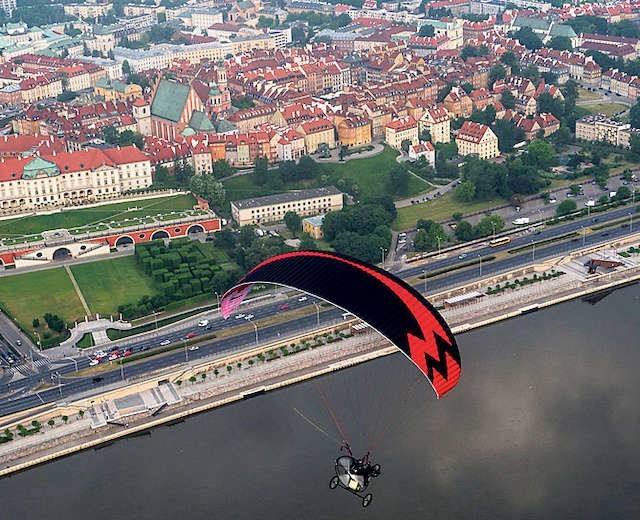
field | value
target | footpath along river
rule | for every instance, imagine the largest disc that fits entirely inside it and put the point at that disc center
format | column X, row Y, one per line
column 545, row 424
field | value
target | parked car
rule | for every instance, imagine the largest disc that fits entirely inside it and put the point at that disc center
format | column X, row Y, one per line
column 94, row 362
column 203, row 323
column 165, row 342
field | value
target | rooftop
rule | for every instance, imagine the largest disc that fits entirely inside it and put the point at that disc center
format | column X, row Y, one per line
column 280, row 198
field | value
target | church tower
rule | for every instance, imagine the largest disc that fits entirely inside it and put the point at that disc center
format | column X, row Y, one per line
column 142, row 115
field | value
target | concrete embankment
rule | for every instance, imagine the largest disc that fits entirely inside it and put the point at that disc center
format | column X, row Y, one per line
column 307, row 365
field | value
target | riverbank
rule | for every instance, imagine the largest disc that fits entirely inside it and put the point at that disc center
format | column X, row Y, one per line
column 243, row 380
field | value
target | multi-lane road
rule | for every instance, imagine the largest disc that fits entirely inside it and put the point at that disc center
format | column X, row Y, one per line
column 18, row 394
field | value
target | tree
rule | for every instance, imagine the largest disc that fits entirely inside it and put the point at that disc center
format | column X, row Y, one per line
column 623, row 193
column 489, row 114
column 51, row 422
column 489, row 225
column 464, row 231
column 548, row 104
column 426, row 30
column 65, row 419
column 508, row 134
column 222, row 169
column 510, row 59
column 528, row 38
column 541, row 154
column 398, row 180
column 203, row 376
column 507, row 99
column 497, row 72
column 293, row 222
column 565, row 207
column 35, row 323
column 207, row 187
column 192, row 379
column 466, row 191
column 561, row 43
column 126, row 68
column 634, row 115
column 405, row 144
column 261, row 171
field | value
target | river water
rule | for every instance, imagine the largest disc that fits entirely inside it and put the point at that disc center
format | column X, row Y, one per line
column 544, row 424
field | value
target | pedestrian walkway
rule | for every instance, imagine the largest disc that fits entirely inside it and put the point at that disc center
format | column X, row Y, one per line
column 78, row 291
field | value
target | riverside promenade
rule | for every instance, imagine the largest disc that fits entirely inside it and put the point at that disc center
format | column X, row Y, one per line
column 193, row 388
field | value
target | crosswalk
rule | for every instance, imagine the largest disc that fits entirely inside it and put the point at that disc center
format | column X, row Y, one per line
column 26, row 368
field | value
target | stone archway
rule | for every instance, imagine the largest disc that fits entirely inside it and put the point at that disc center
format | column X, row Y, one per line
column 194, row 229
column 60, row 254
column 160, row 233
column 124, row 240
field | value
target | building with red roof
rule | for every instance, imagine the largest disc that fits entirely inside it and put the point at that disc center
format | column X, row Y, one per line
column 72, row 178
column 477, row 139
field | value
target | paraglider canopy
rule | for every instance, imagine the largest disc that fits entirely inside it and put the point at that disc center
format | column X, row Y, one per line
column 388, row 304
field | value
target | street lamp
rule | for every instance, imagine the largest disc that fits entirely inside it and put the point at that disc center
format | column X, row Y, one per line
column 383, row 251
column 218, row 299
column 255, row 328
column 39, row 340
column 317, row 314
column 439, row 240
column 74, row 361
column 493, row 225
column 584, row 235
column 631, row 222
column 424, row 277
column 186, row 352
column 122, row 369
column 480, row 257
column 533, row 254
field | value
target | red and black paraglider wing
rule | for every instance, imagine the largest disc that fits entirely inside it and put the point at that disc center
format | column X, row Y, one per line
column 386, row 303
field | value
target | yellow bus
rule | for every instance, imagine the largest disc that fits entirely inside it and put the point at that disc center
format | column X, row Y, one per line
column 499, row 241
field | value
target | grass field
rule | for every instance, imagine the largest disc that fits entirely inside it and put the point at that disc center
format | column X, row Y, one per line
column 370, row 174
column 30, row 295
column 107, row 284
column 605, row 108
column 81, row 217
column 439, row 209
column 587, row 95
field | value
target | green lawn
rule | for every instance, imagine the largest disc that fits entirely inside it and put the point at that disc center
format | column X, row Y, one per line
column 439, row 209
column 370, row 174
column 605, row 108
column 587, row 95
column 30, row 295
column 108, row 283
column 80, row 217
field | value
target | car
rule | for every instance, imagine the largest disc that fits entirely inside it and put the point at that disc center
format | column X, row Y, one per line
column 195, row 347
column 463, row 255
column 127, row 353
column 249, row 317
column 284, row 307
column 569, row 195
column 94, row 362
column 302, row 299
column 203, row 323
column 97, row 379
column 114, row 355
column 240, row 316
column 553, row 201
column 143, row 348
column 575, row 239
column 191, row 335
column 604, row 234
column 18, row 342
column 165, row 342
column 209, row 327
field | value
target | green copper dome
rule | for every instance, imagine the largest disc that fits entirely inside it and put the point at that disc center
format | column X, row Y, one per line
column 38, row 167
